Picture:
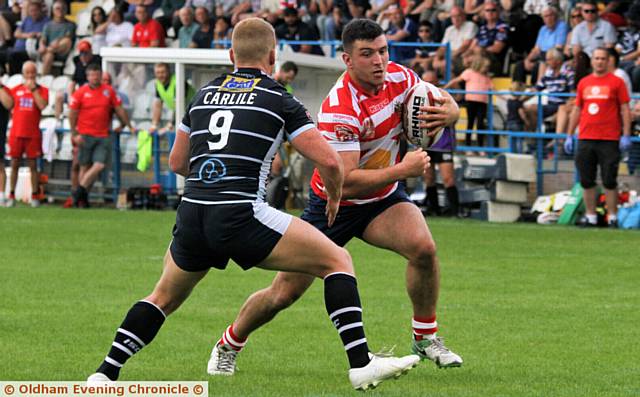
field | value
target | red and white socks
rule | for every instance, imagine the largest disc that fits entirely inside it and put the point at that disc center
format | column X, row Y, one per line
column 232, row 340
column 424, row 327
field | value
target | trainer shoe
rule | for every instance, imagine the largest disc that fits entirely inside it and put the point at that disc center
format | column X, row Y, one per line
column 222, row 361
column 436, row 351
column 35, row 203
column 379, row 369
column 11, row 202
column 98, row 379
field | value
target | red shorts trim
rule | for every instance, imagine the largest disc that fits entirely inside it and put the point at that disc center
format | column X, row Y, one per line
column 31, row 147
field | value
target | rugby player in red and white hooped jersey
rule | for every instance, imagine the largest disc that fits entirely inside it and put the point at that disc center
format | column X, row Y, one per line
column 360, row 119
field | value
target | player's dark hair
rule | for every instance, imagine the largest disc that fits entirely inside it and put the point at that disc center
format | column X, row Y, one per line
column 93, row 67
column 614, row 54
column 289, row 66
column 360, row 29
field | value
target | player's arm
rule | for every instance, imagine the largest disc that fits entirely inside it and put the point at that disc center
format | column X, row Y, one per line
column 312, row 145
column 5, row 98
column 179, row 156
column 363, row 182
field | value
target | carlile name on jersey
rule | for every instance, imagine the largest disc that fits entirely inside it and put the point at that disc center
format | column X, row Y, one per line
column 229, row 98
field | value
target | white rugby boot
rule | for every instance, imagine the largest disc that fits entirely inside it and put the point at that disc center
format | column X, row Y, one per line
column 98, row 379
column 436, row 351
column 222, row 360
column 379, row 369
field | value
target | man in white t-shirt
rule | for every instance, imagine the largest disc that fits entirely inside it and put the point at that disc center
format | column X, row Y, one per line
column 119, row 31
column 459, row 36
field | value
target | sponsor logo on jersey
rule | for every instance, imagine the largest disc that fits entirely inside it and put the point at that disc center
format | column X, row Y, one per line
column 238, row 84
column 344, row 134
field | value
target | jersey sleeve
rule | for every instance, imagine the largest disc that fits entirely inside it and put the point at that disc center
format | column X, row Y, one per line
column 115, row 98
column 296, row 117
column 579, row 99
column 340, row 127
column 44, row 92
column 623, row 94
column 76, row 100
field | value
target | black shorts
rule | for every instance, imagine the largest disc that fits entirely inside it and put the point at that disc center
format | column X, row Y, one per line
column 207, row 236
column 592, row 153
column 352, row 220
column 4, row 120
column 440, row 157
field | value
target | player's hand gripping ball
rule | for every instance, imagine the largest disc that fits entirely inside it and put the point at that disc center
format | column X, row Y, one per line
column 422, row 94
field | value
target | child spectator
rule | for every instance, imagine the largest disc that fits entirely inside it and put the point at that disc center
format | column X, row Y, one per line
column 476, row 78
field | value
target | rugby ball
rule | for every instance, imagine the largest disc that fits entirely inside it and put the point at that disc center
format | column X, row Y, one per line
column 421, row 94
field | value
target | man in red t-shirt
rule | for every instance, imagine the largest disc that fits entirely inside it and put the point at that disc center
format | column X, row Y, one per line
column 91, row 109
column 27, row 101
column 147, row 32
column 602, row 109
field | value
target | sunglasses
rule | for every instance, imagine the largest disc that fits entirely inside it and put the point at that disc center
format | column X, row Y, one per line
column 576, row 16
column 589, row 11
column 491, row 10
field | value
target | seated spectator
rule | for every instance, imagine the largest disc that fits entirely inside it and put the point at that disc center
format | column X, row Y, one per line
column 208, row 4
column 222, row 32
column 558, row 78
column 401, row 29
column 98, row 38
column 202, row 37
column 188, row 28
column 8, row 21
column 118, row 31
column 552, row 35
column 475, row 78
column 516, row 116
column 459, row 36
column 30, row 29
column 424, row 56
column 232, row 9
column 593, row 32
column 294, row 29
column 492, row 37
column 575, row 17
column 629, row 46
column 614, row 63
column 147, row 32
column 57, row 38
column 286, row 74
column 170, row 15
column 474, row 9
column 265, row 9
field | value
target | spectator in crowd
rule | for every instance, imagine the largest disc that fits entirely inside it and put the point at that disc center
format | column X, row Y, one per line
column 294, row 29
column 342, row 13
column 147, row 32
column 203, row 37
column 188, row 28
column 557, row 79
column 593, row 32
column 165, row 96
column 516, row 116
column 26, row 101
column 629, row 46
column 575, row 17
column 265, row 9
column 210, row 5
column 552, row 35
column 476, row 78
column 8, row 20
column 4, row 121
column 57, row 38
column 424, row 56
column 170, row 15
column 286, row 74
column 118, row 31
column 614, row 63
column 98, row 38
column 459, row 36
column 30, row 30
column 474, row 9
column 602, row 110
column 91, row 110
column 492, row 37
column 222, row 32
column 401, row 29
column 232, row 9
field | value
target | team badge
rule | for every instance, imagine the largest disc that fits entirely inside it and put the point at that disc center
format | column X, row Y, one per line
column 212, row 171
column 238, row 84
column 105, row 93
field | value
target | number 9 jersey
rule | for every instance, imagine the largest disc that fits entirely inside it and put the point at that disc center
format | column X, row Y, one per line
column 235, row 125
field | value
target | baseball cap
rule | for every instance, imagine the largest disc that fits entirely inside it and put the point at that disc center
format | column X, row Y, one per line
column 84, row 46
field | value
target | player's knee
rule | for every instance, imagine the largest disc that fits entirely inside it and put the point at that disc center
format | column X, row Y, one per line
column 424, row 253
column 340, row 261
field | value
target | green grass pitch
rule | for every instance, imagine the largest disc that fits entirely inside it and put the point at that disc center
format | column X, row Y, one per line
column 533, row 310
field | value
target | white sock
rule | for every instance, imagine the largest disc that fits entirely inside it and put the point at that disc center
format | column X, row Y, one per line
column 592, row 218
column 613, row 218
column 1, row 195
